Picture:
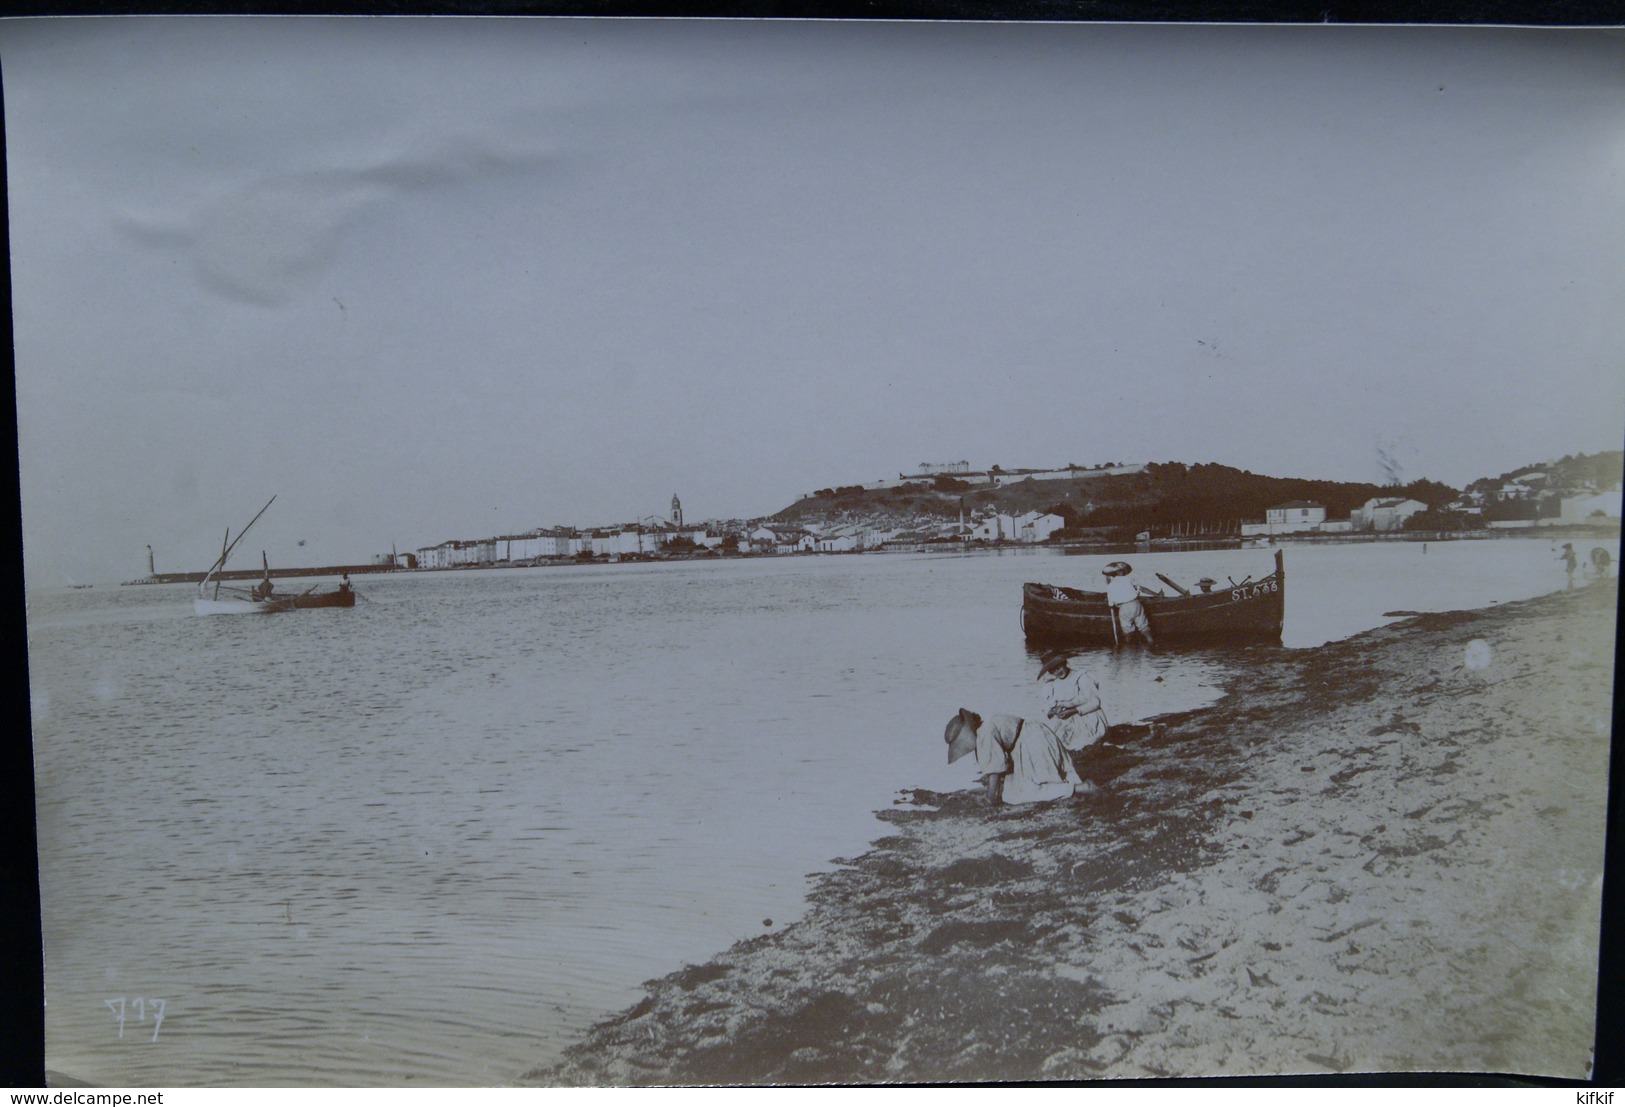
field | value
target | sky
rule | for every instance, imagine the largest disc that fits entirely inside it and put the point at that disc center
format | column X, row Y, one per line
column 451, row 278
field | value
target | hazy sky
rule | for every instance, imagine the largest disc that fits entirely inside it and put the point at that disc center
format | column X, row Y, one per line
column 451, row 278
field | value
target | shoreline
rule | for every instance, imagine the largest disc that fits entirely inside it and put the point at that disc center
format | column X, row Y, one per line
column 1601, row 532
column 1380, row 854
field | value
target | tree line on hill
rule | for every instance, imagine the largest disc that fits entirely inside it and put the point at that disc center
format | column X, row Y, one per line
column 1571, row 471
column 1174, row 496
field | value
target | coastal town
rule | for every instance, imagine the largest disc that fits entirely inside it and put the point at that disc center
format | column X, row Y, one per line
column 908, row 551
column 952, row 506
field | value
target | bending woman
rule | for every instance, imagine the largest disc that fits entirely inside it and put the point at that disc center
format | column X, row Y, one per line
column 1017, row 761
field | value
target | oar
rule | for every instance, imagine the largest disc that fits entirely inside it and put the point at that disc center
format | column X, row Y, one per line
column 1172, row 585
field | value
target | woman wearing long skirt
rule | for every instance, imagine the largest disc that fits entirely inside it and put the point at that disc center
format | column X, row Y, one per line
column 1072, row 703
column 1017, row 761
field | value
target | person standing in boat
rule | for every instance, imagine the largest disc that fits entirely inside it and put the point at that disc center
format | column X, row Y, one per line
column 1124, row 597
column 1016, row 761
column 1072, row 707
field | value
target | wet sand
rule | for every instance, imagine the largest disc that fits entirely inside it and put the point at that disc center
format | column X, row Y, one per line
column 1384, row 854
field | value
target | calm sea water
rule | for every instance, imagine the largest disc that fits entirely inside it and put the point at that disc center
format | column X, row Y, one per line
column 430, row 839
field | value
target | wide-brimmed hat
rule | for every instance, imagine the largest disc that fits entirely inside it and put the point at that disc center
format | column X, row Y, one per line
column 1052, row 662
column 961, row 734
column 1117, row 569
column 1207, row 580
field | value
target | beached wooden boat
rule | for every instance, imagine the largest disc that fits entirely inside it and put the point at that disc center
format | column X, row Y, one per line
column 1251, row 610
column 262, row 598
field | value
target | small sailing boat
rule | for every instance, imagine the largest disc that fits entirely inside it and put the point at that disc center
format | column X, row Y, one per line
column 262, row 598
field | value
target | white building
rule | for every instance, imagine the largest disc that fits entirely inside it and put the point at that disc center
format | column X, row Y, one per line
column 518, row 547
column 1016, row 476
column 1295, row 515
column 1580, row 508
column 1298, row 517
column 1385, row 514
column 1038, row 526
column 451, row 554
column 1292, row 517
column 872, row 537
column 996, row 528
column 630, row 540
column 536, row 545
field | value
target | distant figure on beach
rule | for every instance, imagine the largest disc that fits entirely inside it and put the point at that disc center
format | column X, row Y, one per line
column 1569, row 561
column 263, row 590
column 1018, row 762
column 1072, row 707
column 1600, row 562
column 1124, row 597
column 344, row 583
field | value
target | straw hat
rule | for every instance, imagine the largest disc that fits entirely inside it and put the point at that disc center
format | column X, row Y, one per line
column 1052, row 662
column 1117, row 569
column 961, row 734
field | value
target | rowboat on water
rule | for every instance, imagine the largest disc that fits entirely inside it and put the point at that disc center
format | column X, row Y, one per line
column 262, row 598
column 240, row 601
column 1249, row 611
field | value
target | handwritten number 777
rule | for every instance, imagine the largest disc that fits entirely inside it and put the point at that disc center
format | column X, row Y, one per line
column 120, row 1008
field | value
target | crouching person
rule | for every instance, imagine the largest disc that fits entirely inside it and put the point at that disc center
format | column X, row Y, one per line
column 1018, row 762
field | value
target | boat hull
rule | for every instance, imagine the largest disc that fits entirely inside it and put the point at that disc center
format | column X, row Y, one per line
column 336, row 598
column 237, row 606
column 1250, row 612
column 227, row 607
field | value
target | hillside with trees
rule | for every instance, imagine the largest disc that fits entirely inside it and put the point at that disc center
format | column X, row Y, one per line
column 1571, row 473
column 1163, row 497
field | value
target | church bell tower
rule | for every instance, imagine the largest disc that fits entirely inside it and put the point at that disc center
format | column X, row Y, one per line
column 676, row 511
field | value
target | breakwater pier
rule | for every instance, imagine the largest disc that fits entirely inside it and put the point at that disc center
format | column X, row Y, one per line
column 256, row 574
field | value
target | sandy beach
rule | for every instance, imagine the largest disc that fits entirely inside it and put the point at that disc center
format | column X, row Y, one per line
column 1384, row 854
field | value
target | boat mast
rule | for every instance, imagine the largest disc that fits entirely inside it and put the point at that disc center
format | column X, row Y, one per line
column 226, row 551
column 225, row 546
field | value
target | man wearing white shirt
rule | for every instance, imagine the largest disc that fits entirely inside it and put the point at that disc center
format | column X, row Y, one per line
column 1124, row 597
